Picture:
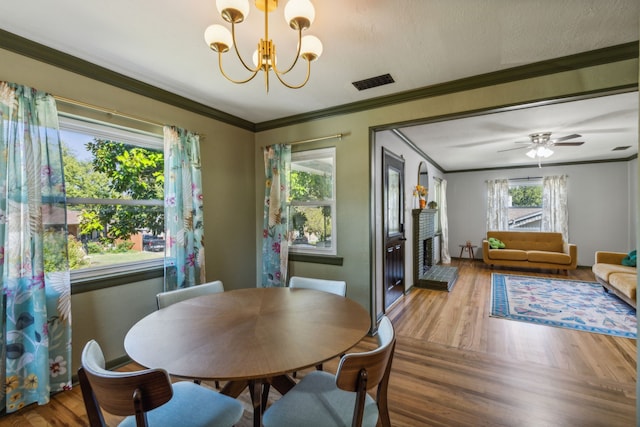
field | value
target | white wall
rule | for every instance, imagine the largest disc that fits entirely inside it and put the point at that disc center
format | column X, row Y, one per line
column 602, row 200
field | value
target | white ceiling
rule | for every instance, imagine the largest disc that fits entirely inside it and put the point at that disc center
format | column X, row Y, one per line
column 477, row 142
column 419, row 42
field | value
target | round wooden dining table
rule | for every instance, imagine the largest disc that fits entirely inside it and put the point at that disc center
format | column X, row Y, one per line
column 248, row 337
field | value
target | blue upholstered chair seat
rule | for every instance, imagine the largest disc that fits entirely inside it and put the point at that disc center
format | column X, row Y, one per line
column 323, row 403
column 187, row 408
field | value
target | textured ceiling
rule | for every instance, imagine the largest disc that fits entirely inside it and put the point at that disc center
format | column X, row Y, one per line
column 420, row 43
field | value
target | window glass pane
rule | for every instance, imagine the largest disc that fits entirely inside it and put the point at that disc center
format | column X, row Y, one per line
column 115, row 183
column 393, row 204
column 312, row 179
column 311, row 201
column 312, row 227
column 525, row 206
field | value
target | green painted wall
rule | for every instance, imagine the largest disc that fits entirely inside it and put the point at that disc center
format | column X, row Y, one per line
column 228, row 186
column 355, row 188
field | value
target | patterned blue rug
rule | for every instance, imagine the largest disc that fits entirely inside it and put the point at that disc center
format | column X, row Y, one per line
column 571, row 304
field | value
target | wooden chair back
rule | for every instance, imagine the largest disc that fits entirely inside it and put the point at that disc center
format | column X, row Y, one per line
column 165, row 299
column 359, row 372
column 338, row 287
column 120, row 393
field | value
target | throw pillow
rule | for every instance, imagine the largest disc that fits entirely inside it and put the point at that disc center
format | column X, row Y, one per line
column 495, row 243
column 630, row 259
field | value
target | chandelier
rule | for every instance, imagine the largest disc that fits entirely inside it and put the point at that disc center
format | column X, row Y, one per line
column 299, row 14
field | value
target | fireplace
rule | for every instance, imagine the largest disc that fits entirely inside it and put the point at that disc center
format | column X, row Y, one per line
column 423, row 238
column 427, row 255
column 426, row 274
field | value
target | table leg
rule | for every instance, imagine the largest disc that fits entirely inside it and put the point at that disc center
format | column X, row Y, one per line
column 234, row 388
column 282, row 383
column 255, row 388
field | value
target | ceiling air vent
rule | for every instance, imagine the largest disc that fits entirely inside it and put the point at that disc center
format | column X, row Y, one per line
column 621, row 148
column 384, row 79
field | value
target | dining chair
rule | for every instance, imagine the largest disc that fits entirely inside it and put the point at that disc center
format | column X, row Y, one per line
column 165, row 299
column 338, row 287
column 324, row 400
column 147, row 397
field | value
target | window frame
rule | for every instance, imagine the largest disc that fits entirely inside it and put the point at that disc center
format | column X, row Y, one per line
column 91, row 278
column 312, row 154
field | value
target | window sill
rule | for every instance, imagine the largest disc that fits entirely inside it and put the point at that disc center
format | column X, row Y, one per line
column 316, row 259
column 88, row 280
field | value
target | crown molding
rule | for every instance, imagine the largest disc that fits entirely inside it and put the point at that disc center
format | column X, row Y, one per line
column 39, row 52
column 28, row 48
column 606, row 55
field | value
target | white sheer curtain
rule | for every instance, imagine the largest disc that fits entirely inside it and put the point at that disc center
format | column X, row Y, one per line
column 444, row 223
column 555, row 212
column 498, row 204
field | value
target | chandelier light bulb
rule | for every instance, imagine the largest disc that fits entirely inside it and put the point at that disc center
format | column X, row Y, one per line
column 218, row 38
column 233, row 10
column 532, row 153
column 310, row 48
column 299, row 14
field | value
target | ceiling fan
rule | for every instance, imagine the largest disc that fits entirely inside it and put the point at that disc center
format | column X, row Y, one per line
column 540, row 144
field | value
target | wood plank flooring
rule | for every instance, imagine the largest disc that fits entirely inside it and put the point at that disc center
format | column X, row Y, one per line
column 456, row 366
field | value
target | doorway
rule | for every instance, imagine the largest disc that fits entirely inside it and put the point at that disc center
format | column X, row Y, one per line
column 393, row 226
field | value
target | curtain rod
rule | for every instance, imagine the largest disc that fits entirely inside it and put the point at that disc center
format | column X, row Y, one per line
column 321, row 138
column 106, row 110
column 526, row 178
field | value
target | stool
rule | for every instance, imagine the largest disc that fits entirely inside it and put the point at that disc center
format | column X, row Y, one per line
column 468, row 248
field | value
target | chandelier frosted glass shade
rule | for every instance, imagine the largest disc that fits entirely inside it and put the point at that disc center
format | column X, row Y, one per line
column 233, row 10
column 218, row 38
column 310, row 48
column 299, row 14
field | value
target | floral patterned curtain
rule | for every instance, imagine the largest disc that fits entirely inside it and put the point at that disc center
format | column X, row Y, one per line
column 36, row 314
column 555, row 211
column 183, row 215
column 498, row 204
column 275, row 244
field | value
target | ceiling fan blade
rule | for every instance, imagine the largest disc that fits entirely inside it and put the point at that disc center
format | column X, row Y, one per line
column 564, row 138
column 560, row 144
column 511, row 149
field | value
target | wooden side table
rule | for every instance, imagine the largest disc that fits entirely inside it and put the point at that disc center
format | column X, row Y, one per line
column 467, row 248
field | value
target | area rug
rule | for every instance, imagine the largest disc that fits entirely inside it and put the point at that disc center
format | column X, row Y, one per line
column 571, row 304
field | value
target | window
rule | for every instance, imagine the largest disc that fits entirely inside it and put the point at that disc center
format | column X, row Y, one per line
column 114, row 181
column 312, row 204
column 525, row 205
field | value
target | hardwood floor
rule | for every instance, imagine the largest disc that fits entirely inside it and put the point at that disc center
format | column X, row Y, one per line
column 456, row 366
